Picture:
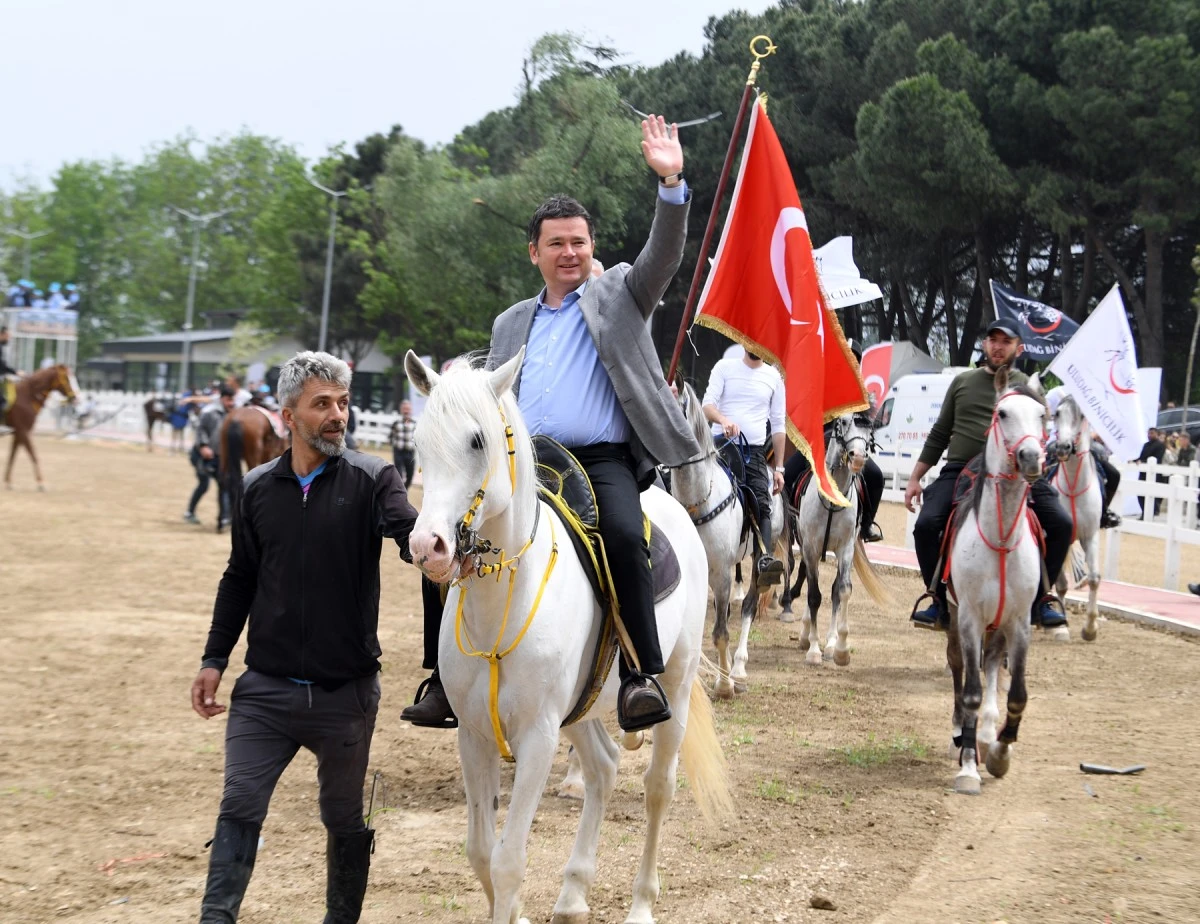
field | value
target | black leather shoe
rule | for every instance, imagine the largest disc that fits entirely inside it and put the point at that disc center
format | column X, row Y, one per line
column 641, row 703
column 932, row 617
column 430, row 709
column 872, row 533
column 1109, row 520
column 770, row 571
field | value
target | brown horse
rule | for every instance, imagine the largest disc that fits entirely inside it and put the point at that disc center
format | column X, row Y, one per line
column 247, row 435
column 21, row 415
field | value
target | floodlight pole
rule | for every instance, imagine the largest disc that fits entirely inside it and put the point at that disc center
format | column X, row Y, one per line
column 27, row 237
column 197, row 221
column 333, row 202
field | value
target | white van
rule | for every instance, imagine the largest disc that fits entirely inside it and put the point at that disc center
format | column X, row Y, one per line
column 905, row 419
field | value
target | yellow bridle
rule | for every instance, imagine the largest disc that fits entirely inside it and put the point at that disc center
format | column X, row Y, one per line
column 495, row 656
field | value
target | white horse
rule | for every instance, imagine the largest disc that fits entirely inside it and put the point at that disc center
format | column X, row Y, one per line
column 995, row 573
column 1081, row 495
column 535, row 620
column 710, row 495
column 824, row 527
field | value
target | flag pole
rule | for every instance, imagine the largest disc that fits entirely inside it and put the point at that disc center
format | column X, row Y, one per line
column 694, row 292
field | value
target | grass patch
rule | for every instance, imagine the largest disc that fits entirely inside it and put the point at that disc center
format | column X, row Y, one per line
column 876, row 753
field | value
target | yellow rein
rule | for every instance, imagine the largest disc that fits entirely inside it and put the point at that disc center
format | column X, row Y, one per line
column 495, row 656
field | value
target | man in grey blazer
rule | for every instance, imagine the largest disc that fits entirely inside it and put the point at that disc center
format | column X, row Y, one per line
column 591, row 380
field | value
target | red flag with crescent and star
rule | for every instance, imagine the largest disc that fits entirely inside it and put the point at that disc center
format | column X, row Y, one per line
column 763, row 291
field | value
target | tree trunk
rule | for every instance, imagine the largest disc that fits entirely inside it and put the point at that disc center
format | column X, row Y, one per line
column 1021, row 276
column 1067, row 277
column 1051, row 266
column 1149, row 324
column 1078, row 311
column 948, row 282
column 971, row 325
column 1187, row 379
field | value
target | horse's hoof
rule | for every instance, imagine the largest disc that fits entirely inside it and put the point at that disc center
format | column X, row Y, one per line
column 804, row 644
column 741, row 684
column 571, row 791
column 1089, row 633
column 631, row 741
column 574, row 917
column 813, row 657
column 966, row 784
column 841, row 658
column 724, row 689
column 827, row 654
column 1061, row 634
column 41, row 487
column 786, row 616
column 998, row 761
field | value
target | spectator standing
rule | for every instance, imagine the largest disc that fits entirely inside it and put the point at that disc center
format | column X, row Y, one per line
column 404, row 449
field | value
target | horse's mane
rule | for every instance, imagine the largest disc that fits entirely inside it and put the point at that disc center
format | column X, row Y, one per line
column 463, row 397
column 1027, row 392
column 694, row 412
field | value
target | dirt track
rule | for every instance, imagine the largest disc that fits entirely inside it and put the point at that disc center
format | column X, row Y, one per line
column 109, row 784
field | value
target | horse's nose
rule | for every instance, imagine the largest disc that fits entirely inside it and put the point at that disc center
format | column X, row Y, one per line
column 432, row 553
column 1030, row 461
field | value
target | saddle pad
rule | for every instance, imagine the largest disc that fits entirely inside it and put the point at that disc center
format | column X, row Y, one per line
column 560, row 473
column 277, row 423
column 10, row 392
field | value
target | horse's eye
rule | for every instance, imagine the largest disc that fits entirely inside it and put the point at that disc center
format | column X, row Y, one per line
column 1002, row 414
column 477, row 440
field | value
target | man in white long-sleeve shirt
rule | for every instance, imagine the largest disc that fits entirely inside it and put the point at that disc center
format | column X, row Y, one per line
column 745, row 396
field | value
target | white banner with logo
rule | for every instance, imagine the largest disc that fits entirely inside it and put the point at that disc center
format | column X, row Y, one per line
column 1098, row 367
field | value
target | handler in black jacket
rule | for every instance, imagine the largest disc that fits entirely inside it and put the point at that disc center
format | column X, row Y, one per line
column 305, row 571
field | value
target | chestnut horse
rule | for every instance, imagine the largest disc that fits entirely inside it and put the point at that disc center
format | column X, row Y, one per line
column 21, row 414
column 247, row 435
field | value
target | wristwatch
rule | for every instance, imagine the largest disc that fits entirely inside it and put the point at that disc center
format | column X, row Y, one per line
column 671, row 180
column 779, row 468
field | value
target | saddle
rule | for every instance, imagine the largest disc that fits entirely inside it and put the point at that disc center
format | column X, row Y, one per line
column 275, row 418
column 734, row 457
column 857, row 482
column 565, row 486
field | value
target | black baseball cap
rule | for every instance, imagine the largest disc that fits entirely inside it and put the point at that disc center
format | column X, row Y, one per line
column 1008, row 328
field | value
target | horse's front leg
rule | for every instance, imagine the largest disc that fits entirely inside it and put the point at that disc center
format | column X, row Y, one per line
column 27, row 442
column 534, row 752
column 789, row 593
column 1000, row 755
column 836, row 646
column 989, row 717
column 1092, row 552
column 599, row 757
column 724, row 585
column 954, row 661
column 481, row 781
column 742, row 655
column 12, row 457
column 967, row 781
column 810, row 631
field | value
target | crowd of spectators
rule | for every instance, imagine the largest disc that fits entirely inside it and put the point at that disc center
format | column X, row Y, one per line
column 24, row 293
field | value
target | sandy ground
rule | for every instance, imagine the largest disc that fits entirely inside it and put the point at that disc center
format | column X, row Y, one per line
column 109, row 784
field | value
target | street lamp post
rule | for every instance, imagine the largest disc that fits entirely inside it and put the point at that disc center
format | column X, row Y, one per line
column 27, row 237
column 333, row 202
column 197, row 221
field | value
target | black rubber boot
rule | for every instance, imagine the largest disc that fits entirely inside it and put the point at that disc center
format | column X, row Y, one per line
column 348, row 860
column 234, row 847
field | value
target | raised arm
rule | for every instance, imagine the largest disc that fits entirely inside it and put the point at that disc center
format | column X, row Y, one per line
column 659, row 260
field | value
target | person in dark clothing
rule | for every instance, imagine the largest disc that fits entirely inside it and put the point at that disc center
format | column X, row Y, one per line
column 1154, row 448
column 960, row 432
column 404, row 447
column 5, row 369
column 304, row 574
column 204, row 455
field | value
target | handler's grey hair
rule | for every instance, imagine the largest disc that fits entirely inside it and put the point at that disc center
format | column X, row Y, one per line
column 309, row 365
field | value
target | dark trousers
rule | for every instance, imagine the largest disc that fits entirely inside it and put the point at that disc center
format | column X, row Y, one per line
column 271, row 718
column 431, row 604
column 206, row 471
column 935, row 512
column 611, row 468
column 1112, row 480
column 872, row 476
column 405, row 461
column 760, row 481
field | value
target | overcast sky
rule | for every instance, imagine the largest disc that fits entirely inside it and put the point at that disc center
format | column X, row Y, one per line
column 87, row 79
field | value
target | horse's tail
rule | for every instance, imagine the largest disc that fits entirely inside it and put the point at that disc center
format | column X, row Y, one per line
column 703, row 760
column 231, row 462
column 868, row 577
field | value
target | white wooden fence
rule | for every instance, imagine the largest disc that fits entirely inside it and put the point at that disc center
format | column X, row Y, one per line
column 1175, row 524
column 122, row 415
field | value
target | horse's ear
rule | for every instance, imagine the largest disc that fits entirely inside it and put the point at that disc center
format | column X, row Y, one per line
column 422, row 377
column 502, row 379
column 1001, row 380
column 1036, row 386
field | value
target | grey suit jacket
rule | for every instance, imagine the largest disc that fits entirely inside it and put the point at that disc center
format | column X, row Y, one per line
column 617, row 308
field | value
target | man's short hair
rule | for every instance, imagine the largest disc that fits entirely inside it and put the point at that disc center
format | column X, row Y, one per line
column 228, row 391
column 309, row 365
column 559, row 207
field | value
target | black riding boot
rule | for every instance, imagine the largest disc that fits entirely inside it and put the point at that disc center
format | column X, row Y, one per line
column 234, row 847
column 348, row 859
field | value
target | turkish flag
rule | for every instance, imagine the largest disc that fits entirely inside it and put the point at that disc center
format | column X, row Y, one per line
column 877, row 371
column 763, row 291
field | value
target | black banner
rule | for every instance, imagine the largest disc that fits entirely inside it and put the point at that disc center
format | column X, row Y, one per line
column 1044, row 330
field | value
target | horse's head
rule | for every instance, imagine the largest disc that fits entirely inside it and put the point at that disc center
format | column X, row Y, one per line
column 64, row 382
column 1016, row 436
column 475, row 459
column 1070, row 429
column 850, row 443
column 692, row 483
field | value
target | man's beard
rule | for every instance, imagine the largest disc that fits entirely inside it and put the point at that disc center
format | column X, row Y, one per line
column 319, row 443
column 993, row 366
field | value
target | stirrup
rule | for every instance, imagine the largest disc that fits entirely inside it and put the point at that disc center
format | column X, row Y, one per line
column 643, row 722
column 941, row 624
